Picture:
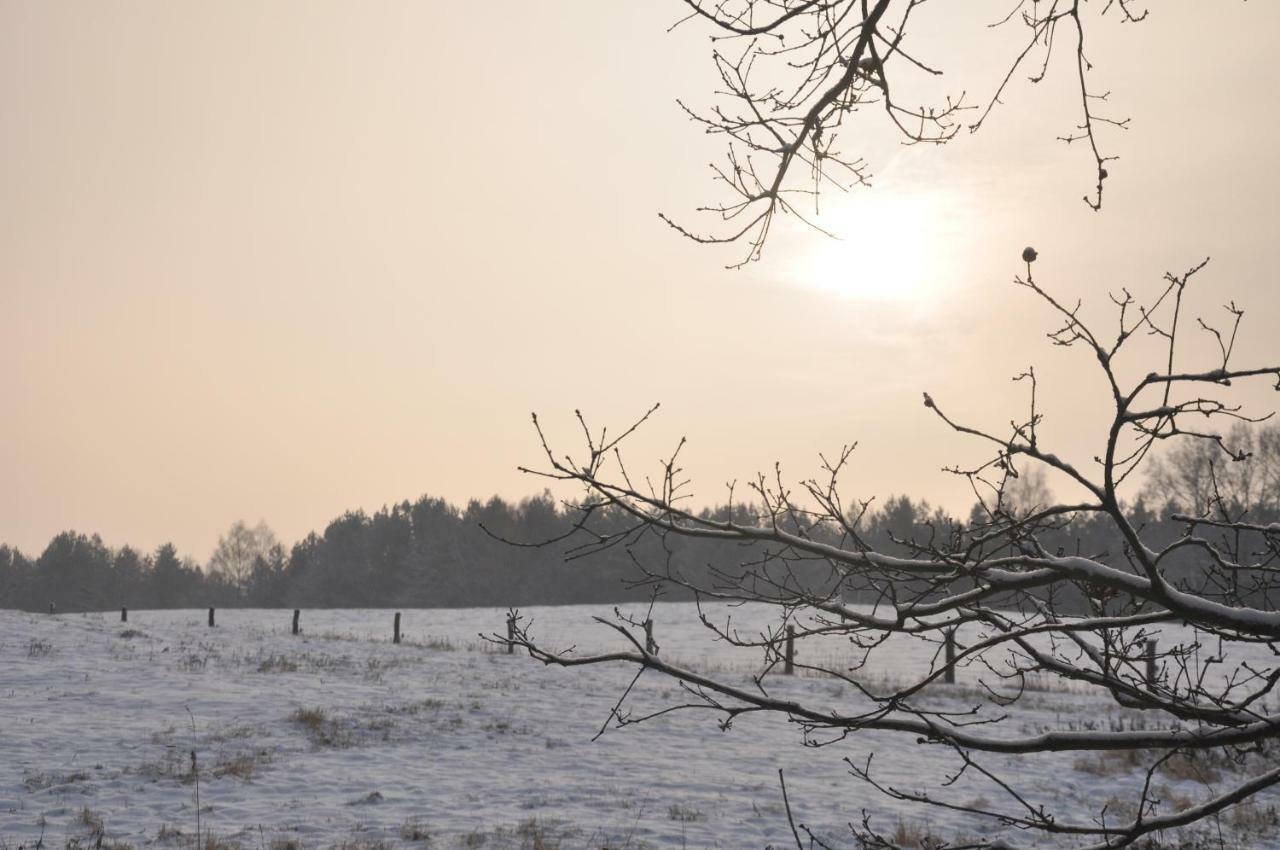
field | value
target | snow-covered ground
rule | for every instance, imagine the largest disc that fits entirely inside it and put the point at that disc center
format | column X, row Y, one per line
column 340, row 737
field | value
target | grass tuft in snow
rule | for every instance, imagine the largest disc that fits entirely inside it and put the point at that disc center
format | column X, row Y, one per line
column 321, row 729
column 416, row 831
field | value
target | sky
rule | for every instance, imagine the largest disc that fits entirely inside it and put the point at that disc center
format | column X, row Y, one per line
column 278, row 261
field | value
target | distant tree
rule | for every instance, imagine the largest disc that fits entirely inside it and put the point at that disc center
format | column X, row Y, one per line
column 238, row 550
column 1237, row 474
column 128, row 576
column 266, row 585
column 173, row 583
column 342, row 560
column 16, row 575
column 1027, row 493
column 74, row 573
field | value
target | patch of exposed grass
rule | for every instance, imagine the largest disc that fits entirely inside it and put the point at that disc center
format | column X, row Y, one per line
column 414, row 708
column 505, row 727
column 1252, row 818
column 1202, row 767
column 286, row 844
column 535, row 834
column 39, row 780
column 1192, row 766
column 684, row 813
column 167, row 833
column 241, row 765
column 1109, row 762
column 174, row 764
column 91, row 821
column 416, row 831
column 321, row 729
column 473, row 839
column 277, row 664
column 912, row 834
column 311, row 718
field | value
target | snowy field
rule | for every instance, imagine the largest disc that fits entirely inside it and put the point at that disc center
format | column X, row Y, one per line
column 339, row 737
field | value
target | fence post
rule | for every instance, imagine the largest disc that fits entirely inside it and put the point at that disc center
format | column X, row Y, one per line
column 789, row 662
column 1151, row 662
column 650, row 646
column 511, row 635
column 949, row 675
column 395, row 629
column 124, row 615
column 211, row 618
column 296, row 615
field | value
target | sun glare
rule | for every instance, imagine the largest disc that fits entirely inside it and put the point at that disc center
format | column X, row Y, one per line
column 889, row 247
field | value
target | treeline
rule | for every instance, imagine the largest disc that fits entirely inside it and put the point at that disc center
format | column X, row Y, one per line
column 430, row 553
column 414, row 554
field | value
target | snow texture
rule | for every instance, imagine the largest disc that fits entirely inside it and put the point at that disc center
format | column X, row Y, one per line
column 340, row 737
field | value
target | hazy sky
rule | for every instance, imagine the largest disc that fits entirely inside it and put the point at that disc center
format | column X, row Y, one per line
column 278, row 260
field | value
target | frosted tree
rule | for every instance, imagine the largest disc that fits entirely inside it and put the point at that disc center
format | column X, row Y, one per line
column 240, row 549
column 994, row 605
column 797, row 79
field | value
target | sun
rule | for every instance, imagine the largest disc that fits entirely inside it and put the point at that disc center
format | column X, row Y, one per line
column 889, row 247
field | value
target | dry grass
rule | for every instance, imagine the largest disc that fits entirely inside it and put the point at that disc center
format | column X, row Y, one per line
column 209, row 841
column 39, row 780
column 473, row 839
column 277, row 664
column 1195, row 767
column 530, row 834
column 241, row 765
column 685, row 814
column 311, row 718
column 1109, row 762
column 536, row 834
column 174, row 764
column 321, row 729
column 1251, row 818
column 91, row 821
column 1171, row 800
column 915, row 834
column 415, row 708
column 416, row 831
column 93, row 842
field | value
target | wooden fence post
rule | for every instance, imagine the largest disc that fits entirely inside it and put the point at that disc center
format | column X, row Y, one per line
column 124, row 615
column 211, row 618
column 650, row 646
column 511, row 635
column 296, row 615
column 395, row 629
column 1151, row 662
column 949, row 676
column 789, row 662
